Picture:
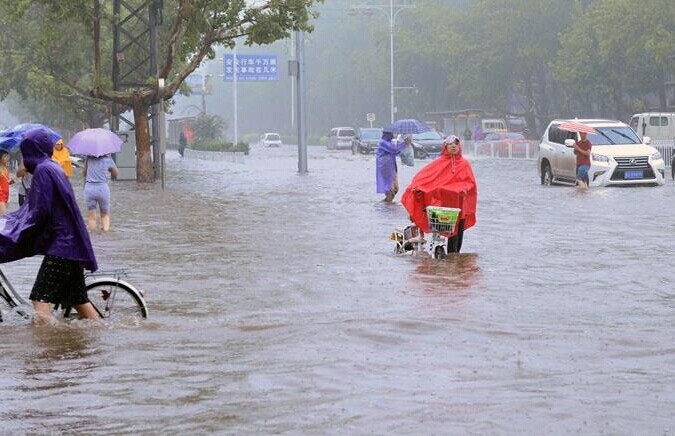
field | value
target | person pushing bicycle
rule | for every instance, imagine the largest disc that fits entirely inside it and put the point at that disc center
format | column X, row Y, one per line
column 50, row 223
column 447, row 181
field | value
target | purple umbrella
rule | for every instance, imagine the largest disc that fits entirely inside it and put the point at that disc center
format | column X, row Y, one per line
column 95, row 142
column 407, row 126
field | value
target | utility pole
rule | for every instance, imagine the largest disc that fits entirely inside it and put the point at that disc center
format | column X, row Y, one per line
column 390, row 11
column 297, row 69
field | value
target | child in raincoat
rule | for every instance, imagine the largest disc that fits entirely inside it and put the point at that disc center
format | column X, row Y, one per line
column 447, row 181
column 5, row 181
column 61, row 155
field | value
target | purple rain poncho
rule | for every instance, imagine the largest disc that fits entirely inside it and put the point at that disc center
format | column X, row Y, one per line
column 49, row 222
column 386, row 162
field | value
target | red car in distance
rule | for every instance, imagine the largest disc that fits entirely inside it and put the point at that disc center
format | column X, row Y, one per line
column 506, row 145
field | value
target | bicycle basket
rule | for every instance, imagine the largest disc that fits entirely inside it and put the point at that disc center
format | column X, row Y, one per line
column 442, row 219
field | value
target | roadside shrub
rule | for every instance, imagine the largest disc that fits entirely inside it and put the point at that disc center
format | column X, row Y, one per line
column 221, row 146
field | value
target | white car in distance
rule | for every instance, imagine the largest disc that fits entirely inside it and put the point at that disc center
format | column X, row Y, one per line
column 618, row 156
column 271, row 140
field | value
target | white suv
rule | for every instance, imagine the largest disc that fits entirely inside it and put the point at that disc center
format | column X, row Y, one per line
column 618, row 156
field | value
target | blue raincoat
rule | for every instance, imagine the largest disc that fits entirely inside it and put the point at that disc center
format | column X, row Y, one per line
column 50, row 221
column 386, row 162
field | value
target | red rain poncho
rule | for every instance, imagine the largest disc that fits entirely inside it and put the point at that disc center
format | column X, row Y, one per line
column 447, row 181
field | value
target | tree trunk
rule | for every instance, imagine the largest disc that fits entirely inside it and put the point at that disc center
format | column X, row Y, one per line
column 144, row 167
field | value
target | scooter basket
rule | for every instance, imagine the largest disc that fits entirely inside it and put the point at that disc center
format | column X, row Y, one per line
column 411, row 232
column 442, row 219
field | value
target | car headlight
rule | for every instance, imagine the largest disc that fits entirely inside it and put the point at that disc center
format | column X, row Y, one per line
column 599, row 158
column 655, row 156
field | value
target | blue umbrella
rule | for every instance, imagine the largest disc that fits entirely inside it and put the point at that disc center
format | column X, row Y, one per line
column 407, row 126
column 9, row 143
column 19, row 130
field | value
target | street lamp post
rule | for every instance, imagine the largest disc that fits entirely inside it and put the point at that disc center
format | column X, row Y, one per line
column 393, row 13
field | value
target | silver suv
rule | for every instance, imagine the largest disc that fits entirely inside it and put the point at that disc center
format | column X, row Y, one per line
column 618, row 156
column 340, row 138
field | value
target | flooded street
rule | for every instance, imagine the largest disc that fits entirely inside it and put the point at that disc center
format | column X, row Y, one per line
column 277, row 306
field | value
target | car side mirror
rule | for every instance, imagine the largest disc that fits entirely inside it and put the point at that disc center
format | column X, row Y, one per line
column 646, row 140
column 569, row 143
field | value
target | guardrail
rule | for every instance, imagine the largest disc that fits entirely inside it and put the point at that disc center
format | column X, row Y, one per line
column 501, row 149
column 529, row 150
column 666, row 149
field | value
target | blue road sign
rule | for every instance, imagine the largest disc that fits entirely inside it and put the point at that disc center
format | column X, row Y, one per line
column 251, row 67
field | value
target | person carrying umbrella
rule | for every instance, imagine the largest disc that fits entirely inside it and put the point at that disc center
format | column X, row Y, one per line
column 50, row 224
column 96, row 189
column 582, row 150
column 97, row 144
column 386, row 171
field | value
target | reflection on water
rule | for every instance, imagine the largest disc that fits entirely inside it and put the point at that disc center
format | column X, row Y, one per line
column 61, row 346
column 277, row 306
column 458, row 272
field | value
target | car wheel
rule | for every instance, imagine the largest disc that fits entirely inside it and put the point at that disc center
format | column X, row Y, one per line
column 546, row 175
column 439, row 252
column 672, row 168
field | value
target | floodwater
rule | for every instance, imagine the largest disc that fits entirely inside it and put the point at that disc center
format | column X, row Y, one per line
column 277, row 306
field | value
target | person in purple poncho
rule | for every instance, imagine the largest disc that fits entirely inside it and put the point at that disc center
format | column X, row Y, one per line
column 386, row 172
column 50, row 223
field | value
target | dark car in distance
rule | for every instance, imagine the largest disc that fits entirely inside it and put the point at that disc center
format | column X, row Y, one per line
column 366, row 139
column 427, row 144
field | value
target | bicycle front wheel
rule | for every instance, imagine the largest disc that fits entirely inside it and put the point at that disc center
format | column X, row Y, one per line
column 116, row 299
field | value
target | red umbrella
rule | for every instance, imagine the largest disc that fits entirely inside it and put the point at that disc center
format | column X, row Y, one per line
column 574, row 126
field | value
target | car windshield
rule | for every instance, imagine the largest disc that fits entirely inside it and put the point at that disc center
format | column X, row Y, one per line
column 346, row 132
column 371, row 133
column 430, row 135
column 614, row 135
column 272, row 137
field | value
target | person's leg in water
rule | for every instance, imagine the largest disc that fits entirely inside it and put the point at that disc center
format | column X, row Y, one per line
column 60, row 280
column 582, row 176
column 105, row 221
column 91, row 200
column 43, row 312
column 104, row 207
column 393, row 191
column 91, row 219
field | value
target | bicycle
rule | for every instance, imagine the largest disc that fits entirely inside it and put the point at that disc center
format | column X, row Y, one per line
column 446, row 234
column 111, row 296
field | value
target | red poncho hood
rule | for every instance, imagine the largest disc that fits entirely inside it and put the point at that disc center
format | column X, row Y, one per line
column 447, row 181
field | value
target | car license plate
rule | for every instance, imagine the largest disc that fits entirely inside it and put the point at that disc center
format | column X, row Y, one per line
column 633, row 174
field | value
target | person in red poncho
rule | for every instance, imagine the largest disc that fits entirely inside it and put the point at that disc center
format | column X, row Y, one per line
column 447, row 181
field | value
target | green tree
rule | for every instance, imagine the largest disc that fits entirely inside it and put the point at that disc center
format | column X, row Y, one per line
column 501, row 48
column 208, row 127
column 615, row 54
column 55, row 46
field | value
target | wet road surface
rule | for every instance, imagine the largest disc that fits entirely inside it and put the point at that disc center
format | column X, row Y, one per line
column 277, row 306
